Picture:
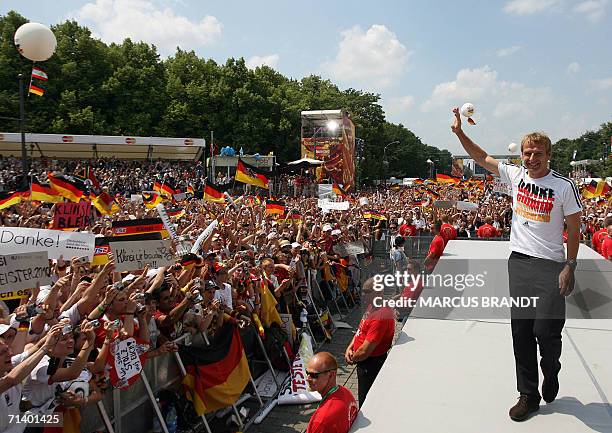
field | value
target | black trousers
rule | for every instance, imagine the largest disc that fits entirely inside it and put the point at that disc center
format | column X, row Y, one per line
column 367, row 370
column 538, row 326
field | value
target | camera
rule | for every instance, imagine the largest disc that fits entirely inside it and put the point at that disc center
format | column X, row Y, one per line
column 95, row 323
column 67, row 329
column 140, row 308
column 118, row 285
column 115, row 324
column 198, row 299
column 82, row 260
column 197, row 282
column 34, row 310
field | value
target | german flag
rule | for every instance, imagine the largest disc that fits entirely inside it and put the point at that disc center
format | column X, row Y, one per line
column 190, row 190
column 292, row 217
column 8, row 199
column 274, row 207
column 151, row 200
column 445, row 178
column 418, row 182
column 69, row 187
column 432, row 193
column 167, row 190
column 102, row 246
column 43, row 192
column 105, row 204
column 140, row 226
column 157, row 186
column 36, row 90
column 212, row 193
column 373, row 214
column 175, row 212
column 337, row 190
column 216, row 374
column 87, row 174
column 596, row 189
column 246, row 173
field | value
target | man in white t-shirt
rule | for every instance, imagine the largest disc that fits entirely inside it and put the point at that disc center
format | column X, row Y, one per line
column 543, row 201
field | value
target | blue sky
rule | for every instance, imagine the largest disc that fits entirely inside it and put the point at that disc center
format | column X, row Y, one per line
column 525, row 64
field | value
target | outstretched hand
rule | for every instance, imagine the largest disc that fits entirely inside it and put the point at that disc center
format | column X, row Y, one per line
column 456, row 126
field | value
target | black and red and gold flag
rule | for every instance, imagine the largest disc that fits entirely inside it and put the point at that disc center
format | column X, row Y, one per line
column 151, row 200
column 213, row 193
column 336, row 189
column 87, row 175
column 445, row 178
column 252, row 175
column 595, row 189
column 44, row 192
column 374, row 214
column 139, row 226
column 105, row 204
column 216, row 374
column 8, row 199
column 70, row 187
column 275, row 207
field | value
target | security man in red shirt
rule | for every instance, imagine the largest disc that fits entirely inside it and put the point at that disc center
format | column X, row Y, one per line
column 338, row 409
column 373, row 339
column 436, row 248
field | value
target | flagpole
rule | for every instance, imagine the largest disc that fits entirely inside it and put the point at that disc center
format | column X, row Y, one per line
column 24, row 152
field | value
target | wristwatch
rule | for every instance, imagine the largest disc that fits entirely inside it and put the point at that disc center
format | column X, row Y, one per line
column 572, row 263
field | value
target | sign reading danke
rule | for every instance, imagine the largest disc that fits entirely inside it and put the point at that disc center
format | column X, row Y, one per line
column 134, row 255
column 56, row 243
column 24, row 271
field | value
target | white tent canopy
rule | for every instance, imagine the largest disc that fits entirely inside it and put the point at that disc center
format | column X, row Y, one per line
column 306, row 161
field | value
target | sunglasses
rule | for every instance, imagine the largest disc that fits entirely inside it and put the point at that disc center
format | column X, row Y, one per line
column 316, row 375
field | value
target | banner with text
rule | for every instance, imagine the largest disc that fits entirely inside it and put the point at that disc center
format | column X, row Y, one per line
column 72, row 215
column 15, row 240
column 24, row 271
column 134, row 255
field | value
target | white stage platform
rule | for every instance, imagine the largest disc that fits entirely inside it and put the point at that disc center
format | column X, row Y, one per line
column 457, row 375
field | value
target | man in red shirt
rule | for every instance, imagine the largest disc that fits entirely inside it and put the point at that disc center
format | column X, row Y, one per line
column 447, row 231
column 600, row 235
column 373, row 339
column 606, row 245
column 487, row 230
column 338, row 409
column 407, row 229
column 435, row 249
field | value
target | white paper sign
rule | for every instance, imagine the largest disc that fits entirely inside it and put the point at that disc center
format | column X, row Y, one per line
column 136, row 198
column 500, row 187
column 363, row 201
column 23, row 271
column 325, row 189
column 134, row 255
column 333, row 205
column 15, row 240
column 127, row 359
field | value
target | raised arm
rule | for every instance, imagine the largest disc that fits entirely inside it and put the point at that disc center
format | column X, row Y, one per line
column 481, row 157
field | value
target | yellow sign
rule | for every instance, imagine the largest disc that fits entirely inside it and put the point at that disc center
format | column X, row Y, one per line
column 14, row 294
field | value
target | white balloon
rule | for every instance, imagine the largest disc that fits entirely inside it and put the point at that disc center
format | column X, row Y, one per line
column 35, row 41
column 467, row 109
column 513, row 148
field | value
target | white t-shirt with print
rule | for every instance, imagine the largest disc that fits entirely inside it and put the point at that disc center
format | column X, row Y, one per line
column 9, row 405
column 224, row 295
column 539, row 208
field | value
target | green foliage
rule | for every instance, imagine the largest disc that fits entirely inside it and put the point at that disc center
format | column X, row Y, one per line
column 593, row 145
column 126, row 89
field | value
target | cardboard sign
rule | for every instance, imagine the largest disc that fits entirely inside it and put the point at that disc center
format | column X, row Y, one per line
column 125, row 363
column 15, row 240
column 72, row 215
column 23, row 271
column 502, row 188
column 349, row 249
column 134, row 255
column 325, row 204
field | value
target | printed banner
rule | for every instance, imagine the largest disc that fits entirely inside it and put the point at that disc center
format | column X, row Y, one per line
column 134, row 255
column 23, row 271
column 325, row 204
column 296, row 390
column 72, row 215
column 139, row 226
column 14, row 294
column 15, row 240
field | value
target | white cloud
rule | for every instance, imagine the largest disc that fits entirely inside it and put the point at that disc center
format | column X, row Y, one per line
column 270, row 60
column 505, row 52
column 141, row 20
column 505, row 98
column 372, row 59
column 573, row 68
column 396, row 107
column 594, row 10
column 602, row 84
column 528, row 7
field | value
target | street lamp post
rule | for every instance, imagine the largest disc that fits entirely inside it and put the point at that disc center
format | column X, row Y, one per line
column 431, row 168
column 385, row 163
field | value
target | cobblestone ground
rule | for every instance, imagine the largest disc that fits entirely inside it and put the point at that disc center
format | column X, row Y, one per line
column 294, row 418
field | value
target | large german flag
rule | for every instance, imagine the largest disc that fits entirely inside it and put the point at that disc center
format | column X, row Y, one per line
column 151, row 200
column 167, row 190
column 8, row 199
column 337, row 190
column 246, row 173
column 140, row 226
column 596, row 189
column 157, row 186
column 214, row 194
column 274, row 207
column 69, row 187
column 43, row 192
column 105, row 204
column 216, row 374
column 445, row 178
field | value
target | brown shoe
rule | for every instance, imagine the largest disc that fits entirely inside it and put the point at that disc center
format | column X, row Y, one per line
column 525, row 406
